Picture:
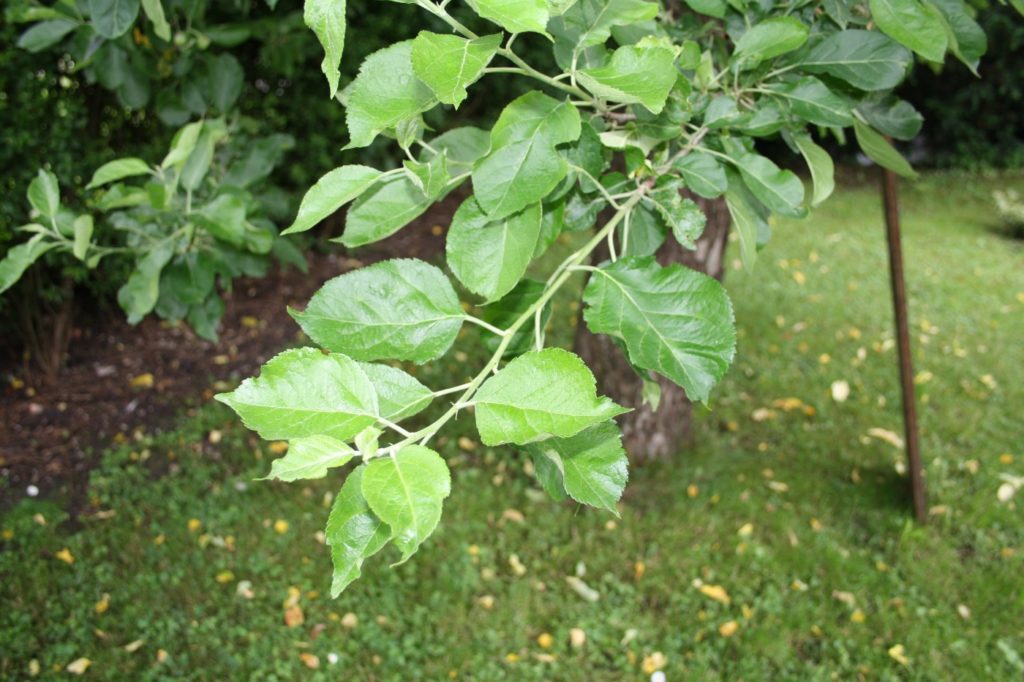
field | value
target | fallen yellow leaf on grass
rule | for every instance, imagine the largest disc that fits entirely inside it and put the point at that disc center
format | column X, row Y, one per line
column 225, row 577
column 545, row 640
column 103, row 604
column 281, row 526
column 654, row 663
column 132, row 647
column 577, row 638
column 857, row 616
column 142, row 381
column 745, row 530
column 898, row 654
column 349, row 621
column 728, row 629
column 194, row 525
column 716, row 592
column 310, row 660
column 293, row 616
column 79, row 666
column 66, row 556
column 887, row 436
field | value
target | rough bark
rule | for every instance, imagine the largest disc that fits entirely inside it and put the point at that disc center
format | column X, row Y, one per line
column 647, row 434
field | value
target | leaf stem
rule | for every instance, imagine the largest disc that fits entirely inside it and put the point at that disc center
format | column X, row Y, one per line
column 486, row 325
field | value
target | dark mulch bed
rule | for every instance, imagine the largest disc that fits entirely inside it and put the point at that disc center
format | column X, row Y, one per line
column 53, row 433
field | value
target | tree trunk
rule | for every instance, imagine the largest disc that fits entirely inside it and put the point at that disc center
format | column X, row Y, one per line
column 649, row 434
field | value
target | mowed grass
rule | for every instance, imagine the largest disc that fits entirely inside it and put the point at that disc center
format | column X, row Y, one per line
column 790, row 515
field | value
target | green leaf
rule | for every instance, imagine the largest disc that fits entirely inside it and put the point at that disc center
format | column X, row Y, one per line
column 113, row 18
column 326, row 18
column 913, row 24
column 503, row 313
column 331, row 192
column 224, row 218
column 399, row 395
column 45, row 34
column 354, row 533
column 590, row 466
column 780, row 190
column 683, row 216
column 746, row 218
column 384, row 210
column 406, row 491
column 590, row 22
column 892, row 116
column 401, row 309
column 303, row 392
column 154, row 10
column 523, row 165
column 712, row 8
column 183, row 144
column 224, row 81
column 702, row 174
column 385, row 94
column 139, row 294
column 431, row 177
column 538, row 395
column 515, row 16
column 634, row 75
column 646, row 233
column 310, row 458
column 449, row 64
column 770, row 38
column 865, row 59
column 880, row 151
column 117, row 170
column 490, row 256
column 821, row 166
column 967, row 39
column 83, row 227
column 44, row 194
column 811, row 100
column 674, row 321
column 19, row 258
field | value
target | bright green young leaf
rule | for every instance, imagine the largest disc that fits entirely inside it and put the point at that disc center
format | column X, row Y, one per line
column 867, row 60
column 634, row 75
column 490, row 256
column 303, row 392
column 770, row 38
column 83, row 227
column 523, row 165
column 384, row 210
column 406, row 491
column 780, row 190
column 590, row 466
column 674, row 321
column 702, row 174
column 385, row 94
column 880, row 151
column 331, row 192
column 154, row 10
column 682, row 216
column 45, row 34
column 515, row 16
column 402, row 309
column 914, row 24
column 19, row 258
column 539, row 395
column 449, row 64
column 399, row 395
column 430, row 177
column 113, row 18
column 326, row 18
column 44, row 193
column 354, row 533
column 183, row 144
column 309, row 458
column 821, row 166
column 811, row 100
column 117, row 170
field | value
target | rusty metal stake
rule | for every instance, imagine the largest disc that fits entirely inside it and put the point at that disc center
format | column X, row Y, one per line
column 890, row 198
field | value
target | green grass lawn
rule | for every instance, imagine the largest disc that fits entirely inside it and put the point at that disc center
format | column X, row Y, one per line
column 789, row 513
